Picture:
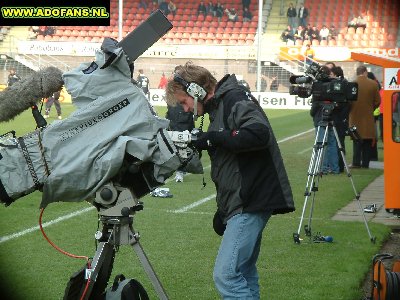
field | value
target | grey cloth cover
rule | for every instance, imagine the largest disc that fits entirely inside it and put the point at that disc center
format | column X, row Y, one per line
column 87, row 149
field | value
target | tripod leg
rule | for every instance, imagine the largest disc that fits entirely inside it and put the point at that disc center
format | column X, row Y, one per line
column 318, row 173
column 357, row 195
column 100, row 271
column 150, row 271
column 312, row 185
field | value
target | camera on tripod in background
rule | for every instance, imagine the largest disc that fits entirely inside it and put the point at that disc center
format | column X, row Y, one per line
column 322, row 87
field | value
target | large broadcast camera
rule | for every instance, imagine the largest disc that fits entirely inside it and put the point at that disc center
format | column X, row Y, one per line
column 321, row 87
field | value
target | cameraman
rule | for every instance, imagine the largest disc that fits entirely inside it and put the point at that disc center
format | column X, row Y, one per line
column 323, row 112
column 340, row 117
column 246, row 167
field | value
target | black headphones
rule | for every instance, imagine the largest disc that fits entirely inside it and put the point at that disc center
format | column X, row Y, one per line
column 191, row 88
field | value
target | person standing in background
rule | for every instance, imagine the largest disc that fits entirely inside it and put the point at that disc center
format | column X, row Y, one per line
column 180, row 120
column 55, row 98
column 303, row 14
column 144, row 83
column 12, row 77
column 361, row 116
column 291, row 15
column 163, row 81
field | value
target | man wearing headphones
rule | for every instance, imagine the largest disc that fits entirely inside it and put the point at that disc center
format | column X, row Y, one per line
column 246, row 167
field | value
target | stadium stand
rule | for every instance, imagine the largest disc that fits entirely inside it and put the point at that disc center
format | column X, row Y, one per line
column 382, row 20
column 381, row 27
column 185, row 21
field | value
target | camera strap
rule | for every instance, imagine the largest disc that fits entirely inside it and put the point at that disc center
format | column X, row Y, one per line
column 28, row 160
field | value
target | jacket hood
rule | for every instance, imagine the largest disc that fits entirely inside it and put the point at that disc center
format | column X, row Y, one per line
column 227, row 83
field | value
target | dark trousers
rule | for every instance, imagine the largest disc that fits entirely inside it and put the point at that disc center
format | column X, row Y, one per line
column 362, row 152
column 50, row 102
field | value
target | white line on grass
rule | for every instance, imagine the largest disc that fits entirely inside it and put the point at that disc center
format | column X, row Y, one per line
column 295, row 136
column 305, row 150
column 79, row 212
column 193, row 205
column 55, row 221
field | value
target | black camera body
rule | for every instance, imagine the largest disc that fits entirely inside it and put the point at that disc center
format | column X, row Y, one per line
column 335, row 90
column 321, row 87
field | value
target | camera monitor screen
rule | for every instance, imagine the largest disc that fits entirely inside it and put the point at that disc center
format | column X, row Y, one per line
column 145, row 35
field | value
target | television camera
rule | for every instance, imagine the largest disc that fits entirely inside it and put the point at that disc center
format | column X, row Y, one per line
column 317, row 83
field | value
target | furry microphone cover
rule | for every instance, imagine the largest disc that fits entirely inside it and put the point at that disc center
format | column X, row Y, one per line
column 29, row 91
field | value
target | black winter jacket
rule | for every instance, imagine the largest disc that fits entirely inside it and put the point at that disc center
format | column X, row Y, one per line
column 246, row 163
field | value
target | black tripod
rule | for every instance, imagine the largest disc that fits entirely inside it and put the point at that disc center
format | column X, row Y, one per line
column 117, row 230
column 315, row 173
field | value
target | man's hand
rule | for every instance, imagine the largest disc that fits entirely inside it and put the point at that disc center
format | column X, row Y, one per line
column 203, row 140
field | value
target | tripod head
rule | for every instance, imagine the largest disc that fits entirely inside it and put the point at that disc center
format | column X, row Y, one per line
column 327, row 109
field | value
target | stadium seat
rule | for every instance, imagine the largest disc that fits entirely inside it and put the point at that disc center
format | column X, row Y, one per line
column 364, row 43
column 373, row 43
column 351, row 30
column 355, row 44
column 298, row 42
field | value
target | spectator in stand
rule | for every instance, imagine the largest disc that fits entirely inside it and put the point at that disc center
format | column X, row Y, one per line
column 324, row 33
column 273, row 87
column 36, row 29
column 361, row 116
column 299, row 34
column 232, row 15
column 211, row 9
column 13, row 77
column 219, row 11
column 352, row 23
column 202, row 9
column 287, row 34
column 332, row 33
column 32, row 35
column 163, row 81
column 307, row 33
column 50, row 30
column 143, row 4
column 247, row 15
column 172, row 8
column 291, row 14
column 361, row 21
column 3, row 30
column 163, row 6
column 314, row 33
column 303, row 14
column 246, row 4
column 42, row 30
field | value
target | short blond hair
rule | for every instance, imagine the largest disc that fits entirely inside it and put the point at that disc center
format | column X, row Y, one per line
column 190, row 73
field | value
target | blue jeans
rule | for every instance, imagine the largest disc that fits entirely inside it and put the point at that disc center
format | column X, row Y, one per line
column 331, row 158
column 235, row 271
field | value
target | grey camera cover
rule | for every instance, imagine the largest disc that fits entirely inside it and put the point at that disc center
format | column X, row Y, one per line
column 87, row 149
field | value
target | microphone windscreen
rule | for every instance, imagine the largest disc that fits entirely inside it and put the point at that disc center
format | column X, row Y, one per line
column 29, row 91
